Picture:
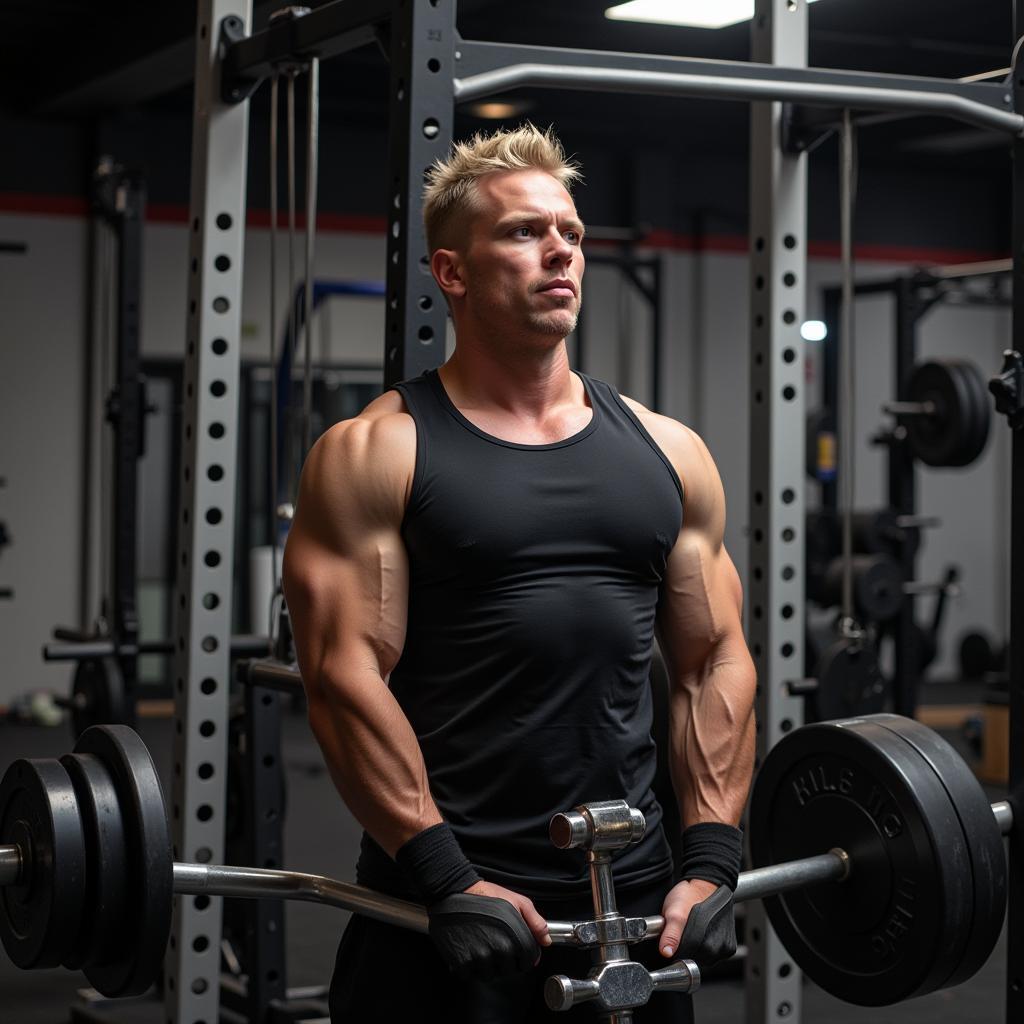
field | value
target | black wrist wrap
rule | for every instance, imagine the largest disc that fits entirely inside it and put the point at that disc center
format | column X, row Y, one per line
column 434, row 864
column 712, row 852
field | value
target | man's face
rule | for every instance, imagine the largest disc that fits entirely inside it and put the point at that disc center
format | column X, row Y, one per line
column 523, row 263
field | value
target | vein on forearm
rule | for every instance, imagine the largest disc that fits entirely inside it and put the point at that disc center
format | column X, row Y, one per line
column 710, row 707
column 711, row 737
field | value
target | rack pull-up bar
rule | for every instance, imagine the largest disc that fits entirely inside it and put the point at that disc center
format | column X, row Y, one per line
column 860, row 97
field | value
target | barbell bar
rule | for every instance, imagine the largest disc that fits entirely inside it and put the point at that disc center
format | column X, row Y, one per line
column 262, row 883
column 909, row 408
column 83, row 650
column 268, row 883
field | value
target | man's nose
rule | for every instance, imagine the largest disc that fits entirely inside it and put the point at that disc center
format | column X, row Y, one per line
column 560, row 252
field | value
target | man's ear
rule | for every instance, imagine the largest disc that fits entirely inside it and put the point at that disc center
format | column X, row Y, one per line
column 447, row 269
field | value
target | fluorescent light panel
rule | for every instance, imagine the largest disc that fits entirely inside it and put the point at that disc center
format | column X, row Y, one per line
column 692, row 13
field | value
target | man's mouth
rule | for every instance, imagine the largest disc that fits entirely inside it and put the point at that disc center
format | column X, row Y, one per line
column 562, row 287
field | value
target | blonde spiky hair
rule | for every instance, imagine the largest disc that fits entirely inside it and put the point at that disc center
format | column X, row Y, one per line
column 450, row 190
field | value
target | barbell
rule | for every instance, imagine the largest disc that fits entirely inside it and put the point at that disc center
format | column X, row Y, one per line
column 947, row 413
column 892, row 881
column 99, row 692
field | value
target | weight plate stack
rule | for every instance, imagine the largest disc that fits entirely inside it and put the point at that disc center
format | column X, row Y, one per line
column 984, row 839
column 41, row 916
column 956, row 432
column 102, row 938
column 150, row 876
column 899, row 926
column 981, row 413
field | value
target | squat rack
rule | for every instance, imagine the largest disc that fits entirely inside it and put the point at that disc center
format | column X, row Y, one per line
column 432, row 68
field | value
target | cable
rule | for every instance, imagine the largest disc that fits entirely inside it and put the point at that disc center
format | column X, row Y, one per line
column 847, row 197
column 107, row 375
column 292, row 327
column 312, row 142
column 275, row 570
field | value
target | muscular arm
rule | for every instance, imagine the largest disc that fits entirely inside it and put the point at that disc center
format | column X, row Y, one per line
column 711, row 675
column 346, row 583
column 711, row 723
column 700, row 629
column 346, row 580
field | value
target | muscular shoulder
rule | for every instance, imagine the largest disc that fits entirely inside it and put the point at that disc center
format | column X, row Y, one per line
column 703, row 496
column 363, row 466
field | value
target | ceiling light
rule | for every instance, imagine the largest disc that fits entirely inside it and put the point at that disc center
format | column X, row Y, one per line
column 497, row 111
column 813, row 330
column 691, row 13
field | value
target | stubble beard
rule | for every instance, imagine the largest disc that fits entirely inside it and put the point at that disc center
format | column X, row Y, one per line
column 556, row 323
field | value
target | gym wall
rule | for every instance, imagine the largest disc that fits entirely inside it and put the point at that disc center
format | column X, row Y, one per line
column 43, row 394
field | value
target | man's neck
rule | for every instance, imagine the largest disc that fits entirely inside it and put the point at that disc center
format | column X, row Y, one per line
column 524, row 383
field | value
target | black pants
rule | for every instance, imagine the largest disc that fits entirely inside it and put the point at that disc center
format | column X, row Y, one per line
column 389, row 974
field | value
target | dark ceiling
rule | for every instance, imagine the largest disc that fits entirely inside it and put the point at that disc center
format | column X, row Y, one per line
column 85, row 77
column 82, row 58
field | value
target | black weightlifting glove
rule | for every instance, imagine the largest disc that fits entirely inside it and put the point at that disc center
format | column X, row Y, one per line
column 712, row 852
column 481, row 936
column 710, row 932
column 477, row 936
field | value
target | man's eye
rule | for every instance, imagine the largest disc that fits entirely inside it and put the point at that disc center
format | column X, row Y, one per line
column 573, row 236
column 523, row 232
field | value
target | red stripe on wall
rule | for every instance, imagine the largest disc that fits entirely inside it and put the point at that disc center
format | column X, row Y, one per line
column 174, row 213
column 167, row 213
column 29, row 202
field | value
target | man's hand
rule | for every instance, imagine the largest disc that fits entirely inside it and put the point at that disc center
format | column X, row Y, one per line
column 523, row 904
column 487, row 931
column 699, row 922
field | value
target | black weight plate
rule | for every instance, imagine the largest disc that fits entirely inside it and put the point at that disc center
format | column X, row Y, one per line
column 878, row 533
column 102, row 936
column 976, row 438
column 849, row 681
column 98, row 695
column 147, row 923
column 41, row 915
column 984, row 840
column 935, row 438
column 957, row 431
column 877, row 585
column 896, row 926
column 977, row 656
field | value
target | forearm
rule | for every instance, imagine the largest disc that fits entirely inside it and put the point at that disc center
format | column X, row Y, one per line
column 711, row 729
column 373, row 757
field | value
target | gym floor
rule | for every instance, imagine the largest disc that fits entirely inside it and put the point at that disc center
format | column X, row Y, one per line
column 322, row 837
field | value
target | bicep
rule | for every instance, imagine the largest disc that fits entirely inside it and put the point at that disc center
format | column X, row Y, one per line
column 346, row 569
column 700, row 604
column 348, row 607
column 701, row 597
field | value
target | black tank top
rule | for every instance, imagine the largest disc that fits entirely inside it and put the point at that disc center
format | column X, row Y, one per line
column 534, row 579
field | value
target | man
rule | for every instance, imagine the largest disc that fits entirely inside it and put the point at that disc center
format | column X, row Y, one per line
column 475, row 573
